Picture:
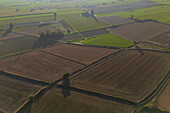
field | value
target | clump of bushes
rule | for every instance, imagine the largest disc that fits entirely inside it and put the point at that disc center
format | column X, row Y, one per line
column 53, row 35
column 31, row 97
column 66, row 75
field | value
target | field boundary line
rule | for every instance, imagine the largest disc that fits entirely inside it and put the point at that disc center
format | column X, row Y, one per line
column 99, row 95
column 153, row 50
column 25, row 79
column 155, row 92
column 62, row 57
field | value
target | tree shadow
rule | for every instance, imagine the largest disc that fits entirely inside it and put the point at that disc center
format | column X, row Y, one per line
column 26, row 108
column 152, row 110
column 43, row 43
column 140, row 50
column 6, row 33
column 66, row 87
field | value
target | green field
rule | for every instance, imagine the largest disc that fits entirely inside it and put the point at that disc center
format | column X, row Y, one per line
column 147, row 13
column 108, row 40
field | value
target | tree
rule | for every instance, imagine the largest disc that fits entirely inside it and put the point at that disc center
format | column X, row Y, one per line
column 31, row 97
column 66, row 75
column 132, row 16
column 11, row 26
column 92, row 12
column 17, row 10
column 55, row 16
column 68, row 31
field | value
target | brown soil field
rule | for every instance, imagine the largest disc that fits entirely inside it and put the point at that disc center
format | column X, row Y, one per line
column 71, row 37
column 36, row 32
column 140, row 31
column 53, row 101
column 163, row 102
column 144, row 45
column 94, row 32
column 14, row 45
column 163, row 39
column 114, row 20
column 38, row 65
column 122, row 7
column 13, row 93
column 132, row 74
column 8, row 35
column 83, row 54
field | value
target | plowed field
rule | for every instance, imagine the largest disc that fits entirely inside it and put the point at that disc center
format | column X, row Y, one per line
column 132, row 74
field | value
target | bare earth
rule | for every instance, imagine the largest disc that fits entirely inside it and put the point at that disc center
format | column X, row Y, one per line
column 140, row 31
column 38, row 65
column 114, row 20
column 13, row 93
column 163, row 101
column 83, row 54
column 131, row 74
column 53, row 101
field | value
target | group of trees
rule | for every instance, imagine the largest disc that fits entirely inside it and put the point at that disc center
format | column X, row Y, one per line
column 88, row 13
column 53, row 35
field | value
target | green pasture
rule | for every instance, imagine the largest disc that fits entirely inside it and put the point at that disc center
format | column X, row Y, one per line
column 108, row 40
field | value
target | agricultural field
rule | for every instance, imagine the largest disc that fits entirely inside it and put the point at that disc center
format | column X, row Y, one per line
column 115, row 20
column 71, row 37
column 53, row 101
column 163, row 39
column 123, row 7
column 146, row 13
column 8, row 35
column 163, row 101
column 94, row 32
column 14, row 92
column 47, row 68
column 82, row 54
column 140, row 31
column 127, row 75
column 108, row 40
column 149, row 45
column 19, row 44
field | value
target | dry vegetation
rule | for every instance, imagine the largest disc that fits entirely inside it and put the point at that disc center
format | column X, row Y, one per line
column 127, row 74
column 94, row 32
column 38, row 65
column 140, row 31
column 83, row 54
column 163, row 39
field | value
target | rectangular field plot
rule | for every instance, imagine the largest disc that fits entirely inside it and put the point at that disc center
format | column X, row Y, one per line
column 132, row 74
column 163, row 39
column 94, row 32
column 122, row 7
column 14, row 92
column 38, row 65
column 82, row 54
column 14, row 45
column 53, row 101
column 8, row 35
column 114, row 20
column 140, row 31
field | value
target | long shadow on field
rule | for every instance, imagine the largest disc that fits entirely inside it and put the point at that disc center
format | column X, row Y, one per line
column 26, row 108
column 66, row 87
column 139, row 49
column 43, row 43
column 152, row 110
column 6, row 33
